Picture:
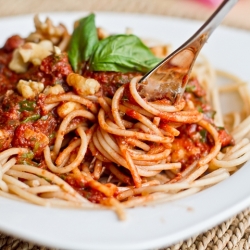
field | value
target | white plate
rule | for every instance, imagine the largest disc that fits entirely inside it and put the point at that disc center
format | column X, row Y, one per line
column 145, row 227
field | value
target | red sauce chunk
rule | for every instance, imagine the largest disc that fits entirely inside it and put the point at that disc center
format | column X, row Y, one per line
column 225, row 138
column 82, row 188
column 53, row 70
column 8, row 78
column 111, row 81
column 192, row 143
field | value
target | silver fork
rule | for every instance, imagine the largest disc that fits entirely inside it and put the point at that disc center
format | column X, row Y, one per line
column 169, row 78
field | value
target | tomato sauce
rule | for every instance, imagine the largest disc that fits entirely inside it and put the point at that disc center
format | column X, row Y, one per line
column 19, row 115
column 111, row 81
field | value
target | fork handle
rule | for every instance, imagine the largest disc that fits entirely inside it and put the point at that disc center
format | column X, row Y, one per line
column 215, row 19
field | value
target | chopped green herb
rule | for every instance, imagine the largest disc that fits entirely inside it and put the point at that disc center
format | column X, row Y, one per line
column 28, row 155
column 200, row 109
column 220, row 128
column 63, row 176
column 51, row 136
column 32, row 138
column 190, row 88
column 46, row 179
column 36, row 147
column 210, row 114
column 31, row 118
column 203, row 134
column 125, row 98
column 28, row 162
column 27, row 105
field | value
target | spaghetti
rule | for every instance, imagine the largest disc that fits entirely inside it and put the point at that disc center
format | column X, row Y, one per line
column 89, row 140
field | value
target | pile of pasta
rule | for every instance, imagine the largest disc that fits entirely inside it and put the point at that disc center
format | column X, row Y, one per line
column 121, row 151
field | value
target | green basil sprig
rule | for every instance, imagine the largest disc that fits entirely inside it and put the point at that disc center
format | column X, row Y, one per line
column 82, row 42
column 122, row 53
column 119, row 53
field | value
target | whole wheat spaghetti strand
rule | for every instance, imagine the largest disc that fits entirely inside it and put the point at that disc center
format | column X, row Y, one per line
column 53, row 178
column 144, row 120
column 183, row 174
column 4, row 186
column 241, row 130
column 168, row 108
column 105, row 154
column 131, row 166
column 169, row 130
column 60, row 195
column 115, row 107
column 230, row 163
column 112, row 152
column 238, row 153
column 64, row 124
column 81, row 153
column 63, row 156
column 244, row 124
column 161, row 166
column 97, row 170
column 195, row 174
column 136, row 143
column 178, row 116
column 103, row 103
column 115, row 205
column 94, row 184
column 217, row 144
column 159, row 197
column 14, row 181
column 74, row 98
column 237, row 119
column 137, row 109
column 121, row 176
column 8, row 164
column 11, row 196
column 43, row 189
column 28, row 196
column 49, row 107
column 235, row 148
column 218, row 119
column 173, row 187
column 26, row 176
column 148, row 157
column 54, row 202
column 110, row 140
column 120, row 132
column 12, row 151
column 32, row 183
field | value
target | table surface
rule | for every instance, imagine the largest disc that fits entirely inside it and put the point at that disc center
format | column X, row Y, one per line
column 231, row 234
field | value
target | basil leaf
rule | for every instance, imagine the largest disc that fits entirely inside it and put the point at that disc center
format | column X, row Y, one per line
column 82, row 42
column 122, row 53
